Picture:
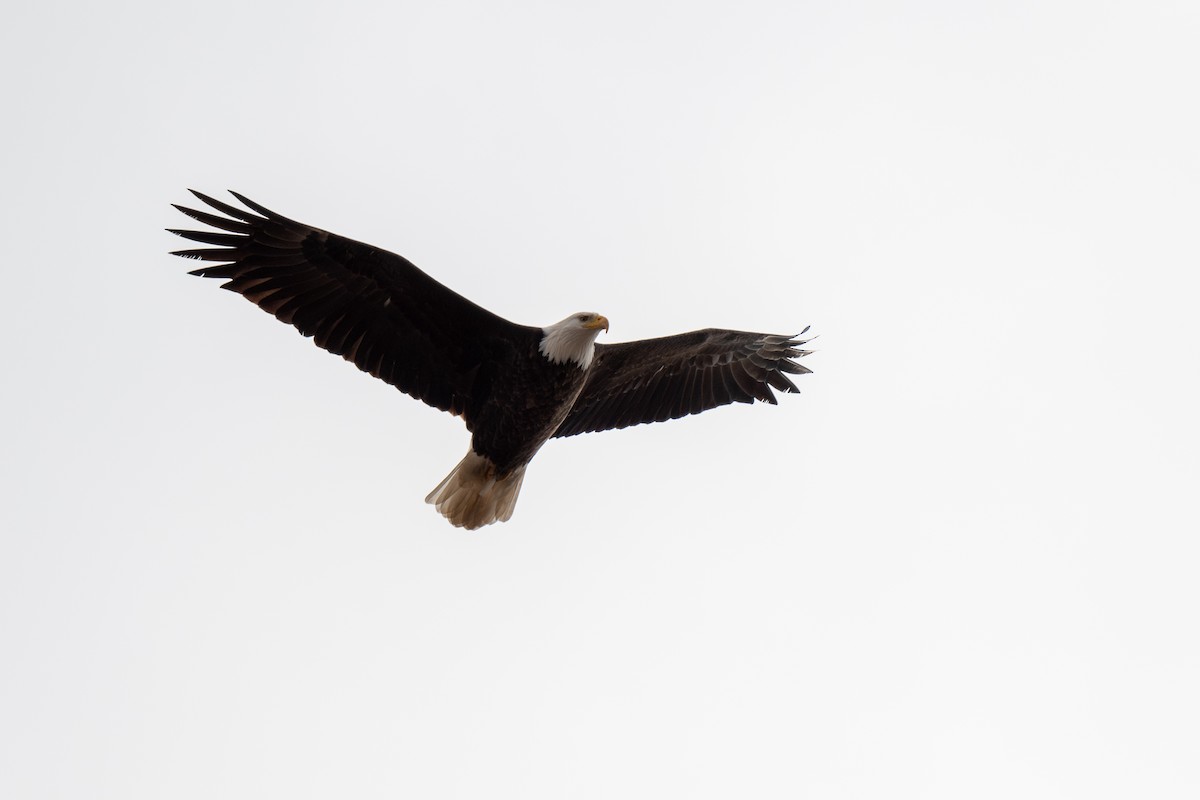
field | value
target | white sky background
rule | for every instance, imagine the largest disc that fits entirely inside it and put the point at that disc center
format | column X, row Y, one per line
column 961, row 564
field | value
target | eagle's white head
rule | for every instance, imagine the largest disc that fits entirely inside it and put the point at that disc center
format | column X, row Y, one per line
column 573, row 339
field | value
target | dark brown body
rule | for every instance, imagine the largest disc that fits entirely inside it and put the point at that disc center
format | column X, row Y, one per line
column 526, row 399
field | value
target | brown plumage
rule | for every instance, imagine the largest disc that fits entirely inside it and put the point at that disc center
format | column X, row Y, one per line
column 654, row 380
column 515, row 386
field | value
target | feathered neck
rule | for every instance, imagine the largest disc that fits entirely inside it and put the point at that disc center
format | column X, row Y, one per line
column 569, row 341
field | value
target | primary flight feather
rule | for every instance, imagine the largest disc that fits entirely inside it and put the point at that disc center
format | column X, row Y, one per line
column 514, row 386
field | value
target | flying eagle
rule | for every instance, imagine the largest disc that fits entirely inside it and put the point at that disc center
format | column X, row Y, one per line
column 514, row 386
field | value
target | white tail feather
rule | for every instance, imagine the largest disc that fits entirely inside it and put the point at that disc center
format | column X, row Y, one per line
column 471, row 496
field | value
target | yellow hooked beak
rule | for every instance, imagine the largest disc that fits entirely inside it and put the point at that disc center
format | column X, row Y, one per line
column 600, row 321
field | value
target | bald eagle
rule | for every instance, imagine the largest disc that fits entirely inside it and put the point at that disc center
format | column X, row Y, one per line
column 514, row 386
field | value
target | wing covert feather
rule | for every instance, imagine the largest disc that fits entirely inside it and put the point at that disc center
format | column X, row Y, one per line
column 653, row 380
column 374, row 308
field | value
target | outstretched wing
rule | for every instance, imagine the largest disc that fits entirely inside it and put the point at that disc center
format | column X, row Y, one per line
column 372, row 307
column 654, row 380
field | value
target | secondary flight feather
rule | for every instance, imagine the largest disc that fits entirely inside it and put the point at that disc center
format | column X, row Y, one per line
column 514, row 386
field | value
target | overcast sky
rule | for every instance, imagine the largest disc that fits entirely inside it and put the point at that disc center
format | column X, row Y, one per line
column 961, row 564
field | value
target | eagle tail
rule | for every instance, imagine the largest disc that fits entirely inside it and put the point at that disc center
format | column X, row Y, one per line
column 471, row 496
